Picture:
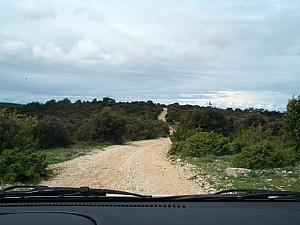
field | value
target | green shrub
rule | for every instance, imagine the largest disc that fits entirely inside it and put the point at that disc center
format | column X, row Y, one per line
column 182, row 133
column 106, row 126
column 207, row 119
column 137, row 129
column 51, row 133
column 205, row 143
column 264, row 154
column 16, row 131
column 21, row 165
column 292, row 123
column 247, row 137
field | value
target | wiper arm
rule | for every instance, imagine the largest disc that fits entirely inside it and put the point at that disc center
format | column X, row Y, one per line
column 239, row 195
column 45, row 191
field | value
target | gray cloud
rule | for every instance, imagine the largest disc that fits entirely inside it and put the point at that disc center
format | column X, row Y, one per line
column 156, row 50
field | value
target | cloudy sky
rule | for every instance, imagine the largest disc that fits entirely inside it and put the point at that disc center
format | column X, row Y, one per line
column 236, row 53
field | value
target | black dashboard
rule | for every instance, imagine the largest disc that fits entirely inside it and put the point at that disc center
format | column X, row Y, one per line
column 150, row 213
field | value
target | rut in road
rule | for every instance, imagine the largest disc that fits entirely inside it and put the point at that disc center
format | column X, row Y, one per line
column 140, row 166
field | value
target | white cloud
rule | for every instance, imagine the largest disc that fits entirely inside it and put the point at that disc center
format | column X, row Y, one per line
column 83, row 53
column 238, row 99
column 12, row 47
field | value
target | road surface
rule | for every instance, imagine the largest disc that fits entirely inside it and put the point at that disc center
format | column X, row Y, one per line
column 140, row 166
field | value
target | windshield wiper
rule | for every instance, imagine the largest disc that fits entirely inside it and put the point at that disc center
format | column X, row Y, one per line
column 23, row 191
column 28, row 191
column 240, row 195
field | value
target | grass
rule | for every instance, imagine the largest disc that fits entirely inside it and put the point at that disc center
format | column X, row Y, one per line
column 213, row 167
column 58, row 155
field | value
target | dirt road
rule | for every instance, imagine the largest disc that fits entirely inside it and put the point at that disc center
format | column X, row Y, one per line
column 162, row 115
column 140, row 166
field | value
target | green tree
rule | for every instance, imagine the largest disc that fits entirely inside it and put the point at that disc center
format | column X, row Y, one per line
column 292, row 122
column 52, row 133
column 106, row 126
column 208, row 119
column 254, row 119
column 16, row 131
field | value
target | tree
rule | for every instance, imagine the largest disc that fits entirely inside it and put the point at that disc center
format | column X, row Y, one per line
column 106, row 126
column 52, row 133
column 109, row 101
column 254, row 119
column 208, row 119
column 292, row 121
column 16, row 131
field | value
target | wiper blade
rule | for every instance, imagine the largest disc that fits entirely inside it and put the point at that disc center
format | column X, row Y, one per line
column 261, row 194
column 45, row 191
column 240, row 195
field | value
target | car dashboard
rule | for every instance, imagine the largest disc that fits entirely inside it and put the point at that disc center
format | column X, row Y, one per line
column 149, row 213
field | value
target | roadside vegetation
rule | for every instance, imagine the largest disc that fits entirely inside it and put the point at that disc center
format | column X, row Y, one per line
column 35, row 135
column 267, row 143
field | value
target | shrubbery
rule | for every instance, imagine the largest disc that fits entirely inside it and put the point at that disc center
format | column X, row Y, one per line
column 16, row 131
column 247, row 137
column 107, row 126
column 52, row 133
column 264, row 154
column 201, row 144
column 256, row 138
column 21, row 165
column 137, row 129
column 18, row 159
column 292, row 123
column 208, row 119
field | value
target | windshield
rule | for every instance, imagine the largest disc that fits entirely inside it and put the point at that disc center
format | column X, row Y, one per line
column 151, row 97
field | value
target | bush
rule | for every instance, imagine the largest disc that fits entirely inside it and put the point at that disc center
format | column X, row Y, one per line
column 52, row 133
column 264, row 154
column 16, row 131
column 106, row 126
column 137, row 129
column 292, row 123
column 205, row 143
column 207, row 119
column 254, row 119
column 247, row 137
column 21, row 165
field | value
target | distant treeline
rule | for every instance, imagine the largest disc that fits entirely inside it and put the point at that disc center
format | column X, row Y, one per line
column 255, row 138
column 27, row 129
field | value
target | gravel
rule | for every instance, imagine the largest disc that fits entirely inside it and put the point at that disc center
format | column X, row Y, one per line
column 141, row 166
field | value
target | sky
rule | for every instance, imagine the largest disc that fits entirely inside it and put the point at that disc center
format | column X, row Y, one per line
column 229, row 53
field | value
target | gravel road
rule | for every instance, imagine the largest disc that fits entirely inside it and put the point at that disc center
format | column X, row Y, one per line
column 140, row 166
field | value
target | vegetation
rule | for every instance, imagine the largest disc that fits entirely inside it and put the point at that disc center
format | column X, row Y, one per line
column 36, row 134
column 212, row 168
column 292, row 123
column 21, row 165
column 204, row 143
column 58, row 155
column 264, row 154
column 254, row 138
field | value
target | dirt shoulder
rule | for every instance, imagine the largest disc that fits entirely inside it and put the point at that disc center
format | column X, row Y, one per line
column 139, row 166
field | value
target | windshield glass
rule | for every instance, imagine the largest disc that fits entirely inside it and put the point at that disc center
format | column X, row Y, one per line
column 152, row 97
